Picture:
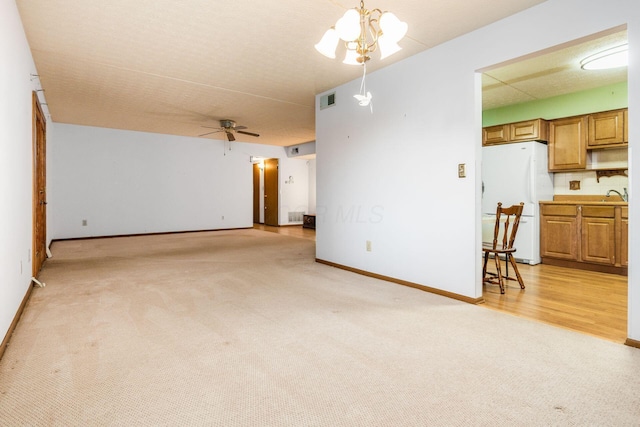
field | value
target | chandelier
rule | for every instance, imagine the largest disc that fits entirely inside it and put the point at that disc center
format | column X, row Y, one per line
column 363, row 32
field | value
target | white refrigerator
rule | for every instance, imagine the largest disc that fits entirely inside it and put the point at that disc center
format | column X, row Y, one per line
column 514, row 173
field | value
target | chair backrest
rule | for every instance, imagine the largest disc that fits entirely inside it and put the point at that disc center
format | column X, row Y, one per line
column 511, row 218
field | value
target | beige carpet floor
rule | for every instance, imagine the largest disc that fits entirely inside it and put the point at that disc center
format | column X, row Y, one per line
column 243, row 328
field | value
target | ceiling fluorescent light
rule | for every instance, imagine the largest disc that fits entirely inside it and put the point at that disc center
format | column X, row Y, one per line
column 610, row 58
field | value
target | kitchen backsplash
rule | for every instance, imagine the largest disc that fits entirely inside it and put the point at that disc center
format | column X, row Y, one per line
column 601, row 159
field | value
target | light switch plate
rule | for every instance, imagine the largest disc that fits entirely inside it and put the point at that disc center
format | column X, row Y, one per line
column 461, row 170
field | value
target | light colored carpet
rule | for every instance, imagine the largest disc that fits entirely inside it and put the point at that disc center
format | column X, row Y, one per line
column 243, row 328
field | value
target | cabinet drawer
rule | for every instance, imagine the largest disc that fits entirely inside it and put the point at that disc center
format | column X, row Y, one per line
column 560, row 210
column 599, row 211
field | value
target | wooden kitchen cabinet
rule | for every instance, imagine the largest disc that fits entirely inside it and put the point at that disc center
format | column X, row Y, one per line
column 598, row 234
column 591, row 236
column 495, row 135
column 559, row 232
column 607, row 129
column 568, row 143
column 529, row 130
column 624, row 236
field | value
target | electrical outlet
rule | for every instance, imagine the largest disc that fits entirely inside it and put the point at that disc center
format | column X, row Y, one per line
column 368, row 245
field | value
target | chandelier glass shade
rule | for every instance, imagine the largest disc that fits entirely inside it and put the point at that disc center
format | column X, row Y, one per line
column 363, row 32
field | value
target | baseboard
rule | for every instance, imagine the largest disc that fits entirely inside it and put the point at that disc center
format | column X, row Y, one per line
column 610, row 269
column 404, row 283
column 160, row 233
column 16, row 318
column 632, row 343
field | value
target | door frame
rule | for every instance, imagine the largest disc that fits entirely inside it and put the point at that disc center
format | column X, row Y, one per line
column 39, row 196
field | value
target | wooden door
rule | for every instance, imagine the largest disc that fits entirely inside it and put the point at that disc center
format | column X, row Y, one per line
column 568, row 143
column 271, row 192
column 39, row 187
column 256, row 193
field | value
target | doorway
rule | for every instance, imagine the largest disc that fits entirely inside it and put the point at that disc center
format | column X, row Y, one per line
column 39, row 187
column 265, row 192
column 550, row 287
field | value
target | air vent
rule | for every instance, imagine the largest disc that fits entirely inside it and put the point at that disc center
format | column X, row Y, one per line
column 327, row 100
column 295, row 216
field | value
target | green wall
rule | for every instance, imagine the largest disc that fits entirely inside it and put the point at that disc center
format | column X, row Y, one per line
column 603, row 98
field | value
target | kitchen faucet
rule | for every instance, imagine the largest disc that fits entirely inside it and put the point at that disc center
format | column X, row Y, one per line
column 624, row 196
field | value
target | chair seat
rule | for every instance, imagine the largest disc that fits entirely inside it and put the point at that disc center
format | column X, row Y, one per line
column 488, row 247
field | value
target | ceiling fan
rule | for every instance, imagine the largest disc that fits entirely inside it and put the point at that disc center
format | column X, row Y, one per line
column 229, row 127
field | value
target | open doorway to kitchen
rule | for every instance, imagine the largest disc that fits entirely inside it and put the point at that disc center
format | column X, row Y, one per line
column 579, row 281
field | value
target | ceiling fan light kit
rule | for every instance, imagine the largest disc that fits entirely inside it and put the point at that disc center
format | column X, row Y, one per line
column 363, row 32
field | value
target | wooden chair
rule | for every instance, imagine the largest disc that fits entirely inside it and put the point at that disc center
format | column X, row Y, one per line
column 503, row 245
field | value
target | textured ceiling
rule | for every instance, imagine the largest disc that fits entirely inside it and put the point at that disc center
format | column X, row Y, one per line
column 172, row 67
column 547, row 74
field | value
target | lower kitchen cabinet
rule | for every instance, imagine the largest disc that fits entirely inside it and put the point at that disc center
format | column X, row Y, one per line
column 598, row 240
column 559, row 228
column 624, row 237
column 587, row 236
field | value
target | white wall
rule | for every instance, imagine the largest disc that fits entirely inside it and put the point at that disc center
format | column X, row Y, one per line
column 124, row 182
column 16, row 86
column 391, row 177
column 312, row 186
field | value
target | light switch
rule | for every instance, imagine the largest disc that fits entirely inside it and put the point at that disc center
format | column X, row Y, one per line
column 461, row 171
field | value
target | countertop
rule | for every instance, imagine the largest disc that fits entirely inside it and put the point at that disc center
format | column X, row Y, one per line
column 598, row 202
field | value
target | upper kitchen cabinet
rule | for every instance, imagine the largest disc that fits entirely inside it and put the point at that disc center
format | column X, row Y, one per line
column 495, row 135
column 568, row 143
column 530, row 130
column 607, row 130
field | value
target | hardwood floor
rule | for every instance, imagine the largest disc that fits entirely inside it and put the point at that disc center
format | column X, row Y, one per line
column 291, row 230
column 584, row 301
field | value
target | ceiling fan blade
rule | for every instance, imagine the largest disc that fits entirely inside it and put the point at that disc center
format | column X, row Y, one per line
column 209, row 133
column 247, row 133
column 210, row 127
column 230, row 136
column 240, row 127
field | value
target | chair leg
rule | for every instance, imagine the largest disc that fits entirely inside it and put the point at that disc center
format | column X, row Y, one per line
column 484, row 267
column 499, row 269
column 515, row 268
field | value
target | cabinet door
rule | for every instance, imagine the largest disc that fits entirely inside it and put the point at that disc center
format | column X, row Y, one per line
column 531, row 130
column 606, row 129
column 495, row 135
column 598, row 240
column 625, row 131
column 559, row 237
column 568, row 143
column 624, row 237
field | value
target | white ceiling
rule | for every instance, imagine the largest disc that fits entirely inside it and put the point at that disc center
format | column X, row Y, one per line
column 172, row 67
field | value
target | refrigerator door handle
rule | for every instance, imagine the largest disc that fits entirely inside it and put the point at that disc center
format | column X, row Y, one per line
column 532, row 179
